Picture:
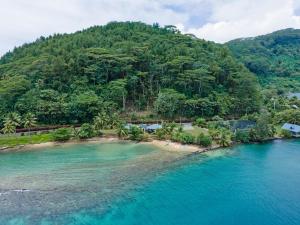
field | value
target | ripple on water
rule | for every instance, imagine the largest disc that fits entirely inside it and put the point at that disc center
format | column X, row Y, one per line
column 137, row 184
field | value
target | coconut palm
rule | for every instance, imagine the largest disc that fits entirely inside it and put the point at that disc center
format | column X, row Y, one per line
column 214, row 133
column 13, row 118
column 29, row 121
column 225, row 138
column 9, row 127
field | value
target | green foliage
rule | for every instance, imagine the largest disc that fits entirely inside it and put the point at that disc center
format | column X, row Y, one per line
column 13, row 118
column 288, row 116
column 9, row 127
column 161, row 134
column 70, row 78
column 186, row 138
column 167, row 130
column 263, row 129
column 136, row 133
column 222, row 136
column 200, row 122
column 204, row 140
column 29, row 121
column 62, row 134
column 12, row 141
column 86, row 131
column 122, row 131
column 168, row 103
column 274, row 58
column 286, row 134
column 242, row 136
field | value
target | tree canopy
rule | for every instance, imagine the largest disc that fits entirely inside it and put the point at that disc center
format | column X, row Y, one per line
column 70, row 78
column 274, row 58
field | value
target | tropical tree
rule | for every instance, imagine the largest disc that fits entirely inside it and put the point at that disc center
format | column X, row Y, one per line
column 225, row 138
column 122, row 131
column 101, row 121
column 214, row 133
column 13, row 118
column 135, row 133
column 9, row 127
column 114, row 121
column 29, row 121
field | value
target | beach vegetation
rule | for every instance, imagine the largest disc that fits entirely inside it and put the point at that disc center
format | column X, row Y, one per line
column 62, row 134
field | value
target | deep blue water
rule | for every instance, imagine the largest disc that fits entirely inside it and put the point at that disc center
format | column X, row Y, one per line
column 249, row 184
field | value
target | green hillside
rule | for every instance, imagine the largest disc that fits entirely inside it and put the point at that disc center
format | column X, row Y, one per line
column 275, row 57
column 124, row 67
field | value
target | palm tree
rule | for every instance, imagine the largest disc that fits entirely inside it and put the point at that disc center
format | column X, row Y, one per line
column 9, row 127
column 122, row 131
column 29, row 121
column 225, row 138
column 13, row 118
column 214, row 133
column 101, row 121
column 114, row 121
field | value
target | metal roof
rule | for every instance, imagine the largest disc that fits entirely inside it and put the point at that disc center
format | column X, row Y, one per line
column 154, row 127
column 291, row 127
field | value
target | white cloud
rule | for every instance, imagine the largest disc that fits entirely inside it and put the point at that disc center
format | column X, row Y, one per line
column 218, row 20
column 244, row 18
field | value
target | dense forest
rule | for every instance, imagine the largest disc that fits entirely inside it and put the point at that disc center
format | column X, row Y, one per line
column 274, row 58
column 126, row 67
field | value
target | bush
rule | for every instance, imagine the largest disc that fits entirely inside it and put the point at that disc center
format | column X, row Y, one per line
column 200, row 122
column 86, row 131
column 186, row 138
column 136, row 133
column 160, row 134
column 204, row 140
column 242, row 136
column 175, row 136
column 286, row 134
column 217, row 118
column 62, row 134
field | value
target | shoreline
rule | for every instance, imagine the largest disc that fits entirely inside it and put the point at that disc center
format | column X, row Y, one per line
column 165, row 145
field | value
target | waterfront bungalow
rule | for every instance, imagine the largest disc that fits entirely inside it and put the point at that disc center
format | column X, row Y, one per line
column 293, row 128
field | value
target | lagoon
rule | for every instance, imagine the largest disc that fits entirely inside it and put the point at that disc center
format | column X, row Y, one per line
column 128, row 184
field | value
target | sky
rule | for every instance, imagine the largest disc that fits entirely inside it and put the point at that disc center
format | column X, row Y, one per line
column 23, row 21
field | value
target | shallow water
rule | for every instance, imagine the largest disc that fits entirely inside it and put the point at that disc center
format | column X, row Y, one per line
column 130, row 184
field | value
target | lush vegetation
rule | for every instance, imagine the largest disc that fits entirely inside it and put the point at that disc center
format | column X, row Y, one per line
column 12, row 141
column 273, row 57
column 98, row 78
column 124, row 67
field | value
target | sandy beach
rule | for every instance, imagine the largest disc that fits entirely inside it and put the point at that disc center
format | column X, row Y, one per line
column 165, row 145
column 168, row 145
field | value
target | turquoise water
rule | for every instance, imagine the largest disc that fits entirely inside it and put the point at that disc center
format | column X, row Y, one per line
column 131, row 184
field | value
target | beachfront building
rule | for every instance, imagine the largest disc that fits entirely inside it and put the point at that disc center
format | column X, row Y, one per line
column 293, row 128
column 152, row 128
column 146, row 128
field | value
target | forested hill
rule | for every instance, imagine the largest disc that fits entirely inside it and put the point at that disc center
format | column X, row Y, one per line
column 127, row 66
column 273, row 57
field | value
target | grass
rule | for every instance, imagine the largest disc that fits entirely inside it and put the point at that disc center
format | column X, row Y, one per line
column 196, row 131
column 112, row 132
column 12, row 141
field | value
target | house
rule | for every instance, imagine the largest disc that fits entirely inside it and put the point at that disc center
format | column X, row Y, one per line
column 292, row 95
column 241, row 124
column 146, row 128
column 293, row 128
column 152, row 128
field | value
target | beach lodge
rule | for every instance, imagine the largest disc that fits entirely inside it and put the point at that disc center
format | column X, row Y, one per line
column 293, row 128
